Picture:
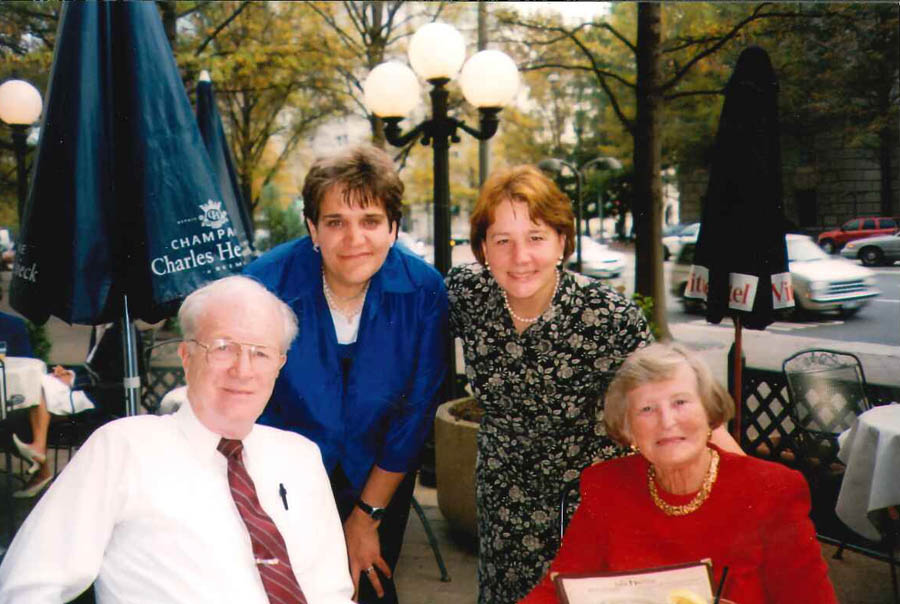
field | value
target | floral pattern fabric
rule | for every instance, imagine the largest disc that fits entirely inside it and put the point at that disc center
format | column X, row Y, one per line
column 541, row 391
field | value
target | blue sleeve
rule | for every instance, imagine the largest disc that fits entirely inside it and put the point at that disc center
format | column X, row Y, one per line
column 415, row 414
column 14, row 332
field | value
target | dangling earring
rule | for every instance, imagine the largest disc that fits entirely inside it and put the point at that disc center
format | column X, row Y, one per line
column 560, row 266
column 634, row 448
column 709, row 435
column 316, row 247
column 487, row 265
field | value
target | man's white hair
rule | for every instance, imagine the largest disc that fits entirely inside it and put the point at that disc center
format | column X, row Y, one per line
column 236, row 287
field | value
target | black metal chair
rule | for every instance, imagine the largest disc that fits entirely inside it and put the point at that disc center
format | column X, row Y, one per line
column 827, row 391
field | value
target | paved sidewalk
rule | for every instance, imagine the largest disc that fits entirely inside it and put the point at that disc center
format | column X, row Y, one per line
column 767, row 349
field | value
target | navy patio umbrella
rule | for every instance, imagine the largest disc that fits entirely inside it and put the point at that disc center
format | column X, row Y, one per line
column 740, row 262
column 124, row 217
column 213, row 134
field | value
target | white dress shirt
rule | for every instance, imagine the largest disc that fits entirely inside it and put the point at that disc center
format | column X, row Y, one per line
column 144, row 510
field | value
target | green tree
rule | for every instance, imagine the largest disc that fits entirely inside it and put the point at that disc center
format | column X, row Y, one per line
column 272, row 78
column 839, row 73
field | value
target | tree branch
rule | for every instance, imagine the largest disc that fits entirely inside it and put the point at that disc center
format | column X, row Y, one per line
column 587, row 68
column 678, row 95
column 221, row 26
column 755, row 16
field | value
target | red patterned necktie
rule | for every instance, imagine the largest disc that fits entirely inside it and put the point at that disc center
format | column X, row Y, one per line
column 269, row 549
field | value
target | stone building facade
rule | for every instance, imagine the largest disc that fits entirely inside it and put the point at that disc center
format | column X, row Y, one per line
column 822, row 190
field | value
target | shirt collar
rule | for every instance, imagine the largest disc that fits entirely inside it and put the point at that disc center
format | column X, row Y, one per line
column 204, row 440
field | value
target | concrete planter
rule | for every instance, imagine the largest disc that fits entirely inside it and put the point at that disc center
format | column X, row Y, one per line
column 455, row 452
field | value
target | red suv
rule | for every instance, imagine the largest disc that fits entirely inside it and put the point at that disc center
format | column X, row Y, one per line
column 858, row 228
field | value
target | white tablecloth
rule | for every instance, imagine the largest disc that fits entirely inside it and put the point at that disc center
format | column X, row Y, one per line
column 871, row 451
column 23, row 380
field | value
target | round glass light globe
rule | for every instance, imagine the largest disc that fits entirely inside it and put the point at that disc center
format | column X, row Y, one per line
column 20, row 102
column 391, row 90
column 437, row 50
column 489, row 78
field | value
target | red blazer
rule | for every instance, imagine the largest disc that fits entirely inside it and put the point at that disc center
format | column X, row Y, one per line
column 755, row 521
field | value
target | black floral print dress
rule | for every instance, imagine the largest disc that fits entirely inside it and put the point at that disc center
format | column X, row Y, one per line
column 541, row 391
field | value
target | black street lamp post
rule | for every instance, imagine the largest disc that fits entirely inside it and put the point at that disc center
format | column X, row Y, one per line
column 20, row 107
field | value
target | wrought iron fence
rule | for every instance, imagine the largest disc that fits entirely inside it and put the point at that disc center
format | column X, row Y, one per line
column 767, row 430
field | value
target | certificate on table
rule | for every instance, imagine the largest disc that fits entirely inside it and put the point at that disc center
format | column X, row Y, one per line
column 645, row 586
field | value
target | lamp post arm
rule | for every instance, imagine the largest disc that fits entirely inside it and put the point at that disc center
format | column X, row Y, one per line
column 488, row 122
column 395, row 136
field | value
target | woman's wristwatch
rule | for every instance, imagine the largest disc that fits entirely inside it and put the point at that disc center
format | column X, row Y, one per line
column 376, row 513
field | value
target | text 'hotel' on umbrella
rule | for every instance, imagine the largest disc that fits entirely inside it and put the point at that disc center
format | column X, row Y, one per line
column 742, row 289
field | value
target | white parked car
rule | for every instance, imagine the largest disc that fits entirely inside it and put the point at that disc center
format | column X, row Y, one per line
column 673, row 243
column 597, row 260
column 821, row 283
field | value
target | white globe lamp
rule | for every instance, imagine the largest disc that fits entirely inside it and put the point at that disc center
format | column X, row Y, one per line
column 20, row 103
column 437, row 51
column 391, row 90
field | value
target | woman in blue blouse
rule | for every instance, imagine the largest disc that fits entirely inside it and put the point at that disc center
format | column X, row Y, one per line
column 362, row 377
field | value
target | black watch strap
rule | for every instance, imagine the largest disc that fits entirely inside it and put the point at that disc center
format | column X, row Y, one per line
column 375, row 513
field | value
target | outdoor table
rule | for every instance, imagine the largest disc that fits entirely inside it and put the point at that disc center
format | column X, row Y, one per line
column 20, row 376
column 871, row 451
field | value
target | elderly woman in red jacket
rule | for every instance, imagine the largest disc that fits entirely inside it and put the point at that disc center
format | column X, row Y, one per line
column 682, row 499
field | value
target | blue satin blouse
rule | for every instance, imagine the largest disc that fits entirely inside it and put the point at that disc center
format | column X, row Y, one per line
column 378, row 408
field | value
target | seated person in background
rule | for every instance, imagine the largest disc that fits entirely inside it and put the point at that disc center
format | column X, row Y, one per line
column 203, row 506
column 682, row 499
column 61, row 396
column 172, row 401
column 15, row 334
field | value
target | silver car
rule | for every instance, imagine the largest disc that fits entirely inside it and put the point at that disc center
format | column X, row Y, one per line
column 597, row 260
column 874, row 251
column 820, row 282
column 673, row 243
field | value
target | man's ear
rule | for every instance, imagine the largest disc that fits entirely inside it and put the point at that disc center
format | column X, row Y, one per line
column 183, row 354
column 313, row 234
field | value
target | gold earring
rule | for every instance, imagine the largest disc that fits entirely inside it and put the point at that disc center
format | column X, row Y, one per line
column 634, row 448
column 709, row 434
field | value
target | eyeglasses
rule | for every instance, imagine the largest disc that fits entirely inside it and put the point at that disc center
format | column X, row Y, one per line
column 223, row 353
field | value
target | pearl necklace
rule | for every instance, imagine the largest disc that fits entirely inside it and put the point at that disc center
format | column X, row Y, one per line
column 539, row 315
column 333, row 299
column 694, row 504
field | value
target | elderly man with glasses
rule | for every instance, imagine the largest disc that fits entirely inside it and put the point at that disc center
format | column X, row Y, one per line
column 200, row 506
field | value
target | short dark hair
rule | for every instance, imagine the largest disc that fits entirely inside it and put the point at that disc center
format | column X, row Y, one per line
column 529, row 185
column 364, row 175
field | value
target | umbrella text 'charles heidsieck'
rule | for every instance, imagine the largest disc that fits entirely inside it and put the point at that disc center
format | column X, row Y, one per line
column 124, row 201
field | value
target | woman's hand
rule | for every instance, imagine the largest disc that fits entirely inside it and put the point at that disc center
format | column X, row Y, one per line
column 66, row 376
column 364, row 550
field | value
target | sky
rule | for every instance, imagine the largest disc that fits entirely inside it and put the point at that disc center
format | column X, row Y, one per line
column 572, row 11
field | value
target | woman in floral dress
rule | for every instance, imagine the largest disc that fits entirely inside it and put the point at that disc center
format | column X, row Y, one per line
column 541, row 345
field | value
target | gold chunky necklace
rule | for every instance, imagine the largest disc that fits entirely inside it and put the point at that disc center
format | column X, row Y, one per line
column 694, row 504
